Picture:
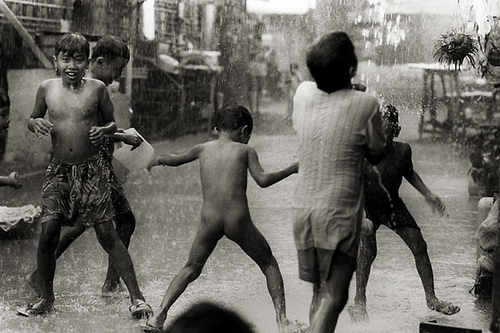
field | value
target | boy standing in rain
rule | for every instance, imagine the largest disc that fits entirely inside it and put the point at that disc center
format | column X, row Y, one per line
column 224, row 164
column 383, row 205
column 109, row 57
column 337, row 127
column 77, row 181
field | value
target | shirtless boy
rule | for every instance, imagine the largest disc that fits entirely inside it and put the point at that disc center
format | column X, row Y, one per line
column 109, row 57
column 77, row 181
column 224, row 164
column 383, row 205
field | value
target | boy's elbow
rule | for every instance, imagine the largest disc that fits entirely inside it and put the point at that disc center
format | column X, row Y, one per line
column 263, row 182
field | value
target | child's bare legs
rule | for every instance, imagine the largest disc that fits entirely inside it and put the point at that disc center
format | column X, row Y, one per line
column 46, row 261
column 125, row 226
column 330, row 298
column 253, row 243
column 366, row 255
column 203, row 245
column 68, row 236
column 108, row 238
column 415, row 241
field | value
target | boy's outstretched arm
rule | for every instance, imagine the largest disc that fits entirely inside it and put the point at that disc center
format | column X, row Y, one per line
column 176, row 159
column 133, row 140
column 12, row 180
column 416, row 181
column 263, row 178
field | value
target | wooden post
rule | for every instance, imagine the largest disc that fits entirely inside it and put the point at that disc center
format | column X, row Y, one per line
column 25, row 35
column 495, row 295
column 132, row 43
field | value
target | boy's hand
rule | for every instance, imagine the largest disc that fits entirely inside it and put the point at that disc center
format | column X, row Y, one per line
column 14, row 176
column 41, row 127
column 438, row 207
column 359, row 86
column 97, row 135
column 154, row 162
column 132, row 140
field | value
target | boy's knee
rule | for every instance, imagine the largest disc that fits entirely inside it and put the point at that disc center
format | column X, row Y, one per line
column 192, row 271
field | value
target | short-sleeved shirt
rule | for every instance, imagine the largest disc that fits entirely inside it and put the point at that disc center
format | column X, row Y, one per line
column 335, row 130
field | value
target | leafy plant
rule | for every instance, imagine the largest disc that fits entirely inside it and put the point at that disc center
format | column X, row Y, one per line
column 454, row 47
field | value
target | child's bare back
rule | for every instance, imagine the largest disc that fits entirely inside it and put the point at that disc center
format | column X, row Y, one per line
column 224, row 167
column 73, row 111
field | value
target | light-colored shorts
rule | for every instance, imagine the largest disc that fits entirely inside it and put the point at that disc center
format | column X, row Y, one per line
column 315, row 265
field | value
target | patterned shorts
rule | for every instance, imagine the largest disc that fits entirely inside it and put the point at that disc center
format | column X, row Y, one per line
column 80, row 189
column 400, row 217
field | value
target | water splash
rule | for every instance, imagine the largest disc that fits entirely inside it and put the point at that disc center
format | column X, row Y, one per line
column 379, row 178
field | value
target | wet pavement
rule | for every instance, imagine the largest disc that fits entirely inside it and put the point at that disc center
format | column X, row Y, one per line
column 167, row 203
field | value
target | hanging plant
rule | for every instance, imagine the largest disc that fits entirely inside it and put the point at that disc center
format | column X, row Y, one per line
column 454, row 47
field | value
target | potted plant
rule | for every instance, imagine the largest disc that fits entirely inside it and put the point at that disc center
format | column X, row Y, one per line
column 454, row 47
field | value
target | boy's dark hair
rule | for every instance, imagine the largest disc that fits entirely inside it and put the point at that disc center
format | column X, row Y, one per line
column 72, row 43
column 329, row 60
column 232, row 117
column 4, row 98
column 391, row 113
column 294, row 65
column 206, row 317
column 110, row 47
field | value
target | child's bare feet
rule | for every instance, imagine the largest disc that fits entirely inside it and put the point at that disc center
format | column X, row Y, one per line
column 34, row 281
column 358, row 313
column 111, row 287
column 154, row 323
column 289, row 326
column 444, row 307
column 149, row 328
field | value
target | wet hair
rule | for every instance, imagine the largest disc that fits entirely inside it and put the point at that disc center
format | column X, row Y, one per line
column 207, row 317
column 110, row 47
column 329, row 60
column 390, row 112
column 232, row 117
column 294, row 65
column 72, row 43
column 4, row 98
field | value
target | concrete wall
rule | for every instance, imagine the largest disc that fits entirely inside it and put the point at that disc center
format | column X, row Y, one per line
column 22, row 145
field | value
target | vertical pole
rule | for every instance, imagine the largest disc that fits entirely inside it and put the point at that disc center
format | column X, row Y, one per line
column 132, row 43
column 495, row 296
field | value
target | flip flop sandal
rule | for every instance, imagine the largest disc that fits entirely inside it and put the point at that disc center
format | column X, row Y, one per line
column 140, row 310
column 41, row 307
column 150, row 329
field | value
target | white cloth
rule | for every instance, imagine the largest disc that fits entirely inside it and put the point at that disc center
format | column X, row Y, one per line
column 12, row 217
